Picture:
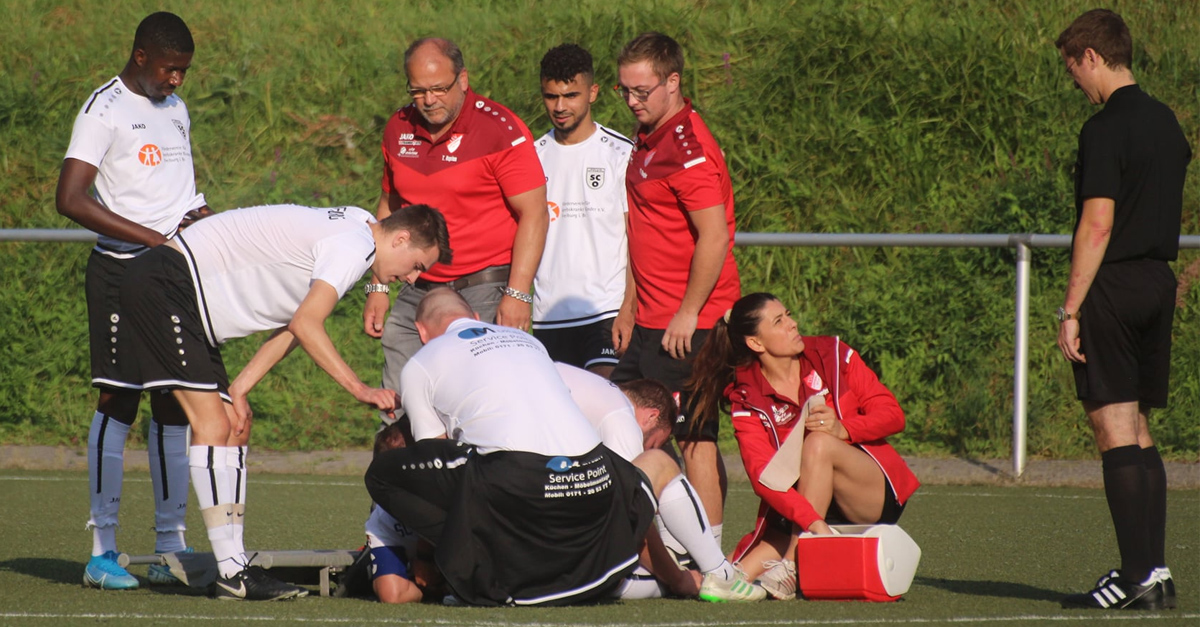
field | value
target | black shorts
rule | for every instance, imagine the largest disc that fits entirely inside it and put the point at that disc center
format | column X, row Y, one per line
column 108, row 330
column 517, row 528
column 584, row 346
column 166, row 334
column 1125, row 333
column 889, row 516
column 892, row 509
column 645, row 358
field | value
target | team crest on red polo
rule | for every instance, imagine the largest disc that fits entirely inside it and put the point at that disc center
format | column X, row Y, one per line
column 813, row 381
column 455, row 140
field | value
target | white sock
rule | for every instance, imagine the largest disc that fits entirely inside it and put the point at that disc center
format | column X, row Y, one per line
column 210, row 480
column 716, row 532
column 168, row 449
column 684, row 517
column 106, row 470
column 237, row 475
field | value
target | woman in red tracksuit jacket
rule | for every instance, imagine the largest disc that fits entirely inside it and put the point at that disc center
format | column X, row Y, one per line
column 757, row 361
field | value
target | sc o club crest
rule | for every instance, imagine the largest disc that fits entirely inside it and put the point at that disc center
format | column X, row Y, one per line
column 594, row 178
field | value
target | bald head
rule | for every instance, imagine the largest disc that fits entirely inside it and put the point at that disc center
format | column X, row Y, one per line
column 433, row 50
column 438, row 309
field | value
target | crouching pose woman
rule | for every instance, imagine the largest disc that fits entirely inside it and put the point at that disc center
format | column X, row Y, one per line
column 756, row 361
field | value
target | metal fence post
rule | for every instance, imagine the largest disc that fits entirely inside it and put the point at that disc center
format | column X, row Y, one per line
column 1021, row 356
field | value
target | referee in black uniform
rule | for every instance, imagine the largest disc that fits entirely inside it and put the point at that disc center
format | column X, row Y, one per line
column 1115, row 321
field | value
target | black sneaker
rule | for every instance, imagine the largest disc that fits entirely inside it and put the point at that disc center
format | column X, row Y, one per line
column 1162, row 573
column 1112, row 592
column 254, row 584
column 1168, row 585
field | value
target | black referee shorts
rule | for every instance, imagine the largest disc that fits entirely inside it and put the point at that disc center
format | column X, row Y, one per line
column 1125, row 334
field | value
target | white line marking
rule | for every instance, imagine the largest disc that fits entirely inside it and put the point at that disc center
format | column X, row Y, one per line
column 1082, row 616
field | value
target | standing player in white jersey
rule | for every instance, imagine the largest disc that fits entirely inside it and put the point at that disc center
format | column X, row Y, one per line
column 130, row 142
column 580, row 310
column 639, row 415
column 277, row 268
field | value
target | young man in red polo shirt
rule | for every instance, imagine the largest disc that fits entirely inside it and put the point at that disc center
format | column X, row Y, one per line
column 472, row 159
column 680, row 242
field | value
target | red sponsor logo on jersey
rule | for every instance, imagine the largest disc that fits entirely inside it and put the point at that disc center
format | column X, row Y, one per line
column 554, row 210
column 150, row 155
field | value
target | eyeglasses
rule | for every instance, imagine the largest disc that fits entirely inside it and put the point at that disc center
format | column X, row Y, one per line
column 417, row 93
column 640, row 95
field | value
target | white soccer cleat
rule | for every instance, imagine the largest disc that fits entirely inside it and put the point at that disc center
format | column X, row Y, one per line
column 780, row 579
column 717, row 589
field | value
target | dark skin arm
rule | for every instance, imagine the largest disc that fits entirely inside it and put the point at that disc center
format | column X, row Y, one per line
column 74, row 202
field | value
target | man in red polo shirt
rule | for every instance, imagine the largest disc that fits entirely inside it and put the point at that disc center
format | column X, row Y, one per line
column 680, row 243
column 474, row 160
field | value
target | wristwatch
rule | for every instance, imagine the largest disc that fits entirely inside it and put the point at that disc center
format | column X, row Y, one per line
column 371, row 288
column 1062, row 315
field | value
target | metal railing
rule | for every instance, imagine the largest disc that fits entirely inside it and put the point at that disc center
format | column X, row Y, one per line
column 1022, row 242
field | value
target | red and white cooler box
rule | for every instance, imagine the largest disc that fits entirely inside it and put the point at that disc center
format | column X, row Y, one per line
column 860, row 562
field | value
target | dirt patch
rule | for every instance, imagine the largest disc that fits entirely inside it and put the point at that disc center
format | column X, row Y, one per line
column 931, row 471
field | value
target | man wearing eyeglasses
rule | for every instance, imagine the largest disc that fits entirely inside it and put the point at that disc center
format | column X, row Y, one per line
column 474, row 160
column 680, row 242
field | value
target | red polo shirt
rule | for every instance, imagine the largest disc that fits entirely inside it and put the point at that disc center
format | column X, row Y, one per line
column 486, row 156
column 677, row 169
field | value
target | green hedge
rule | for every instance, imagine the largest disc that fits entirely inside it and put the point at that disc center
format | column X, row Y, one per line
column 871, row 116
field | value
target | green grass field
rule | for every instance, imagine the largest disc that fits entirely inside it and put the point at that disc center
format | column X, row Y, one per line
column 991, row 556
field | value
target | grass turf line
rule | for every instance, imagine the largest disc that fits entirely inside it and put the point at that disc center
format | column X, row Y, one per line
column 1000, row 555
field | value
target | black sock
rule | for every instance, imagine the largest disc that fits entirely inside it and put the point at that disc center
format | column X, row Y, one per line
column 1156, row 505
column 1125, row 486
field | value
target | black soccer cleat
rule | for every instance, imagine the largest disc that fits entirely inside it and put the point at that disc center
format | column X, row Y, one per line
column 254, row 584
column 1112, row 592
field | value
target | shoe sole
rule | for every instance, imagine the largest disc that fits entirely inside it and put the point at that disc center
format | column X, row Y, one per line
column 88, row 582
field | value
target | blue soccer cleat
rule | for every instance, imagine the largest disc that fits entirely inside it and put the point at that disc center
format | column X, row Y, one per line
column 104, row 573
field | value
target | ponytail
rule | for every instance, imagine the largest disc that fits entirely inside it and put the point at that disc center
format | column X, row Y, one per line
column 723, row 352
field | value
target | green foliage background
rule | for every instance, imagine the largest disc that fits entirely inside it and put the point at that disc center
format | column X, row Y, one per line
column 939, row 116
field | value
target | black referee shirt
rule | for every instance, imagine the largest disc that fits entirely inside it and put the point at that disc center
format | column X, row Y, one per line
column 1134, row 152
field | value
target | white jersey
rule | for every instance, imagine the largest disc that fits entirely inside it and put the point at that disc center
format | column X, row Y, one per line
column 581, row 278
column 607, row 408
column 383, row 530
column 495, row 388
column 252, row 268
column 143, row 155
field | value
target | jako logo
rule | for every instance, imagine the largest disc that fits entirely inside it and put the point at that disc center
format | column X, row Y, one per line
column 150, row 155
column 554, row 210
column 473, row 332
column 559, row 464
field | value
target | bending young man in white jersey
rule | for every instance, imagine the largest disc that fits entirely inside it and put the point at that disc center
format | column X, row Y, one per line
column 579, row 289
column 280, row 268
column 639, row 415
column 507, row 478
column 130, row 141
